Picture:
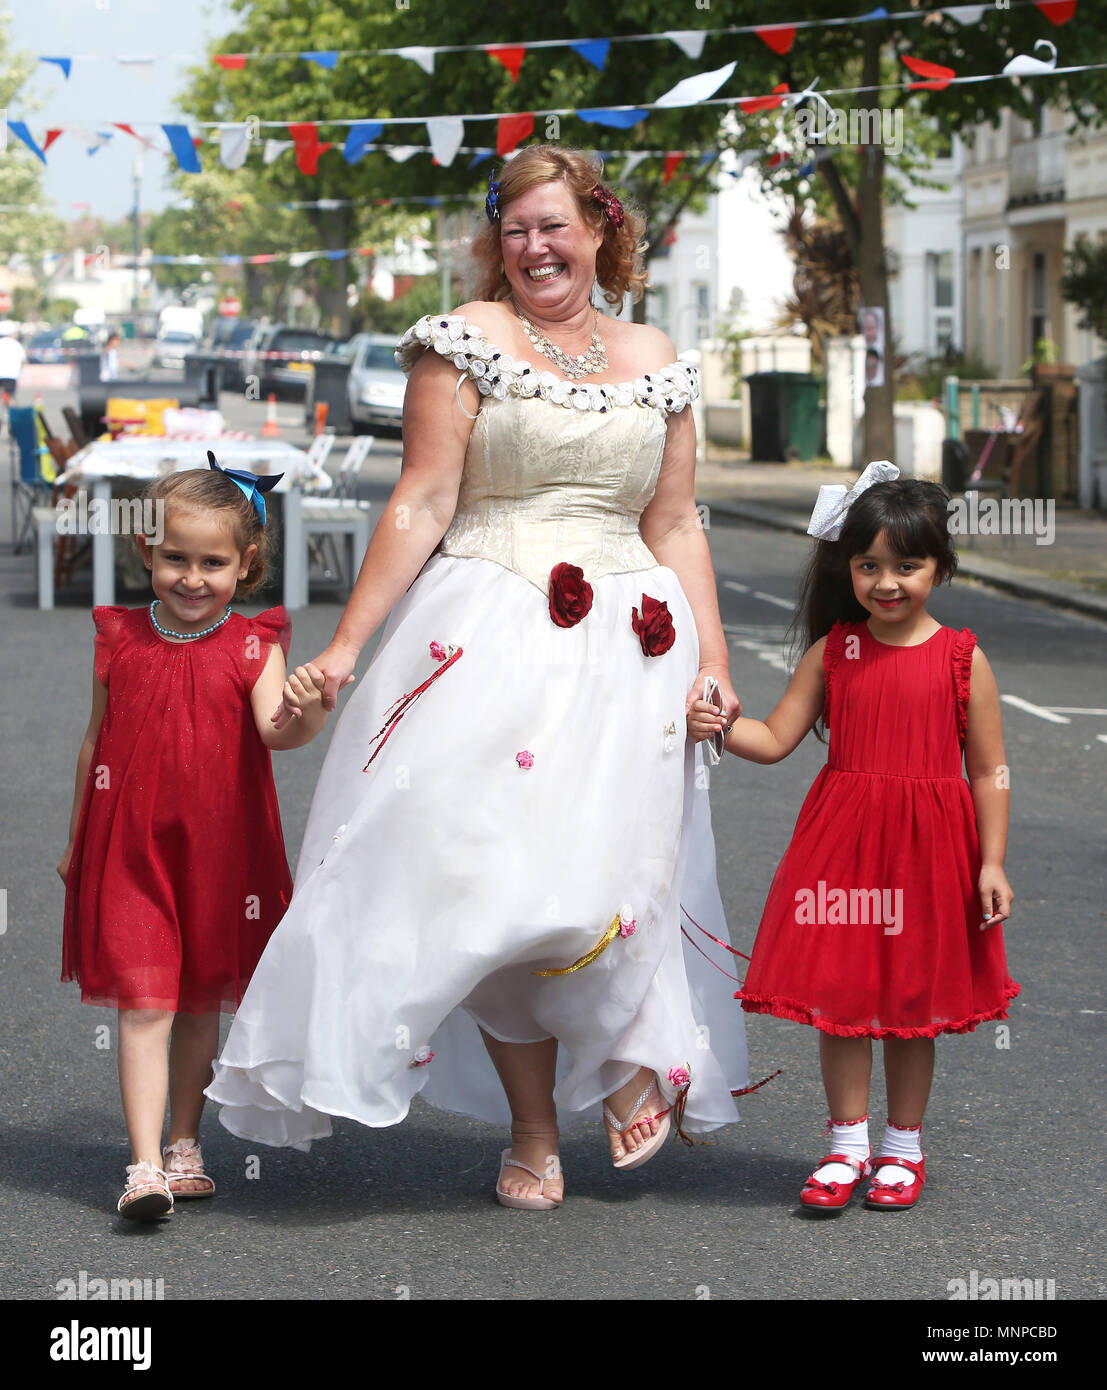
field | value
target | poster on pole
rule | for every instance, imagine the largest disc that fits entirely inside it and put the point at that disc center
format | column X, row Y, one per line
column 871, row 321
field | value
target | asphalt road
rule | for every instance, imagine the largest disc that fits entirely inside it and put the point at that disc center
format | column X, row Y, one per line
column 409, row 1211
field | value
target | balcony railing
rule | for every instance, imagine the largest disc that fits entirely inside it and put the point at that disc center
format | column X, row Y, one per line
column 1037, row 172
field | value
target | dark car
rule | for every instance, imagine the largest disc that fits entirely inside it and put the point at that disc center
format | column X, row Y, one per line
column 232, row 336
column 288, row 375
column 47, row 347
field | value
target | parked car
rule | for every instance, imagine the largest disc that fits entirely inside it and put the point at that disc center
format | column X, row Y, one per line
column 285, row 379
column 171, row 347
column 376, row 384
column 47, row 347
column 233, row 336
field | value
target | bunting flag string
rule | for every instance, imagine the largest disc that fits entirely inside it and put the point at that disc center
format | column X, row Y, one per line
column 778, row 36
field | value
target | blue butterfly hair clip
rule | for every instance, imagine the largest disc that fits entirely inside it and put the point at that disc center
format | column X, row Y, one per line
column 492, row 201
column 251, row 485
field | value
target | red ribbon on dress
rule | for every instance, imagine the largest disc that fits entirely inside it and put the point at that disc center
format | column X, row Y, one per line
column 397, row 710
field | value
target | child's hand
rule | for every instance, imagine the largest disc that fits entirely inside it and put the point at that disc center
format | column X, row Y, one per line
column 704, row 720
column 995, row 895
column 63, row 863
column 303, row 691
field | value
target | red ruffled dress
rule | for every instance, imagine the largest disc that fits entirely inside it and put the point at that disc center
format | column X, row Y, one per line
column 872, row 924
column 179, row 874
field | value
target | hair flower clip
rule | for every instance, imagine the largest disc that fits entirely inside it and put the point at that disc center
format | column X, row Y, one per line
column 611, row 205
column 492, row 201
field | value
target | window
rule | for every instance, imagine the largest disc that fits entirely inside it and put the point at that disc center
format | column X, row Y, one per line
column 1039, row 301
column 657, row 308
column 703, row 312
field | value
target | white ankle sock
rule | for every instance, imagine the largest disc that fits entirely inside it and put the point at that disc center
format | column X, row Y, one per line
column 850, row 1137
column 900, row 1143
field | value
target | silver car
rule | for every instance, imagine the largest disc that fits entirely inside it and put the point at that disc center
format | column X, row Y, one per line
column 376, row 384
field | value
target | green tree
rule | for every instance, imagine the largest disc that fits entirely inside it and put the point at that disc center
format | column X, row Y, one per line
column 25, row 225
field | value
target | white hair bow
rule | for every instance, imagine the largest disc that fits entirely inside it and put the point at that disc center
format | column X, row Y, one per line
column 834, row 500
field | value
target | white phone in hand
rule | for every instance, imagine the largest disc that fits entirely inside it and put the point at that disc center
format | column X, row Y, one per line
column 714, row 744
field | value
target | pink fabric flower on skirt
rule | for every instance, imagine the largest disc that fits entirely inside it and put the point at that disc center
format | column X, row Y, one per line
column 525, row 759
column 679, row 1076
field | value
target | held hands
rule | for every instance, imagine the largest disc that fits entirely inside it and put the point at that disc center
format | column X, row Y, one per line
column 333, row 668
column 705, row 719
column 303, row 693
column 995, row 895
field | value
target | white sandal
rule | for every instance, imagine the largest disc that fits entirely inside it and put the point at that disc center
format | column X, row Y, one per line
column 648, row 1147
column 185, row 1163
column 147, row 1195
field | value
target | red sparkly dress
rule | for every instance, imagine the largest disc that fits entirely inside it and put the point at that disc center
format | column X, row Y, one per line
column 178, row 875
column 872, row 924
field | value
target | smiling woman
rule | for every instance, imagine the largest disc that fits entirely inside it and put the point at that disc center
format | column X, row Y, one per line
column 488, row 901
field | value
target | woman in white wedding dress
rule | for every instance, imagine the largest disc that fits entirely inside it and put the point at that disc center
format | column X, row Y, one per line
column 510, row 818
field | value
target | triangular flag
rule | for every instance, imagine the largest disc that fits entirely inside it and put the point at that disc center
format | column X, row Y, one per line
column 19, row 128
column 1057, row 11
column 511, row 56
column 779, row 37
column 752, row 104
column 689, row 41
column 51, row 136
column 360, row 136
column 672, row 159
column 327, row 59
column 269, row 258
column 966, row 14
column 230, row 61
column 64, row 63
column 621, row 120
column 940, row 76
column 632, row 163
column 129, row 130
column 180, row 142
column 879, row 13
column 299, row 258
column 445, row 133
column 402, row 153
column 511, row 129
column 479, row 158
column 593, row 51
column 423, row 56
column 91, row 139
column 335, row 255
column 779, row 158
column 693, row 90
column 274, row 149
column 234, row 145
column 305, row 137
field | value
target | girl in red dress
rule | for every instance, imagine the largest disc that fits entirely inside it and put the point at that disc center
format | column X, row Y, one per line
column 883, row 917
column 175, row 870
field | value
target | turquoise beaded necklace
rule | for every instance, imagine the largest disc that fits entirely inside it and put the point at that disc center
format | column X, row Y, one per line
column 186, row 636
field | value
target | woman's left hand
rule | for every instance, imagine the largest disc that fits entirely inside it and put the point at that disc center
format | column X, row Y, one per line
column 726, row 698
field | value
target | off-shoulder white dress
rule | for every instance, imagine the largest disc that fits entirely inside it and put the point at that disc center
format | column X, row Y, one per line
column 537, row 790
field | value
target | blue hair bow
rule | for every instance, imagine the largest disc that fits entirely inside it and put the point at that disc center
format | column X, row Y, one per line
column 251, row 485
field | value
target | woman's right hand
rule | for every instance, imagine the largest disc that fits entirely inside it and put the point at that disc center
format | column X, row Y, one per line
column 63, row 863
column 337, row 664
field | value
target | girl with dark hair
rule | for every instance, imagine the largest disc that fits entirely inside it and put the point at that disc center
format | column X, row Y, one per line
column 175, row 871
column 883, row 918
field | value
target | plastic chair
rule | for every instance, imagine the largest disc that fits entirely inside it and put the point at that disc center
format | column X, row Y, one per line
column 31, row 485
column 340, row 515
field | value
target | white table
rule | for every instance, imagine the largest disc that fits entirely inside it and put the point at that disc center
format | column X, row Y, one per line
column 143, row 458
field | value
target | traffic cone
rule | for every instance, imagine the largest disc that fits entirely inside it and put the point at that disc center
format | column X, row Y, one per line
column 271, row 430
column 321, row 408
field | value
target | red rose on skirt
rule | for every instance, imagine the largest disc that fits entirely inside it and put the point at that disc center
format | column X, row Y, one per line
column 570, row 595
column 655, row 626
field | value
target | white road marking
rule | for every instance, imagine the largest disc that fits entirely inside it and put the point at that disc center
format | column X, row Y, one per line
column 766, row 651
column 1067, row 709
column 772, row 598
column 733, row 584
column 1102, row 738
column 1039, row 710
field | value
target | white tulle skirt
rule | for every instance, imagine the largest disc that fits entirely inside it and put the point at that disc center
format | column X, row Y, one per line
column 433, row 885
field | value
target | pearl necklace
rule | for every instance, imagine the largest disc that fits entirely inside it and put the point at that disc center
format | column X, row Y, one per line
column 186, row 636
column 585, row 364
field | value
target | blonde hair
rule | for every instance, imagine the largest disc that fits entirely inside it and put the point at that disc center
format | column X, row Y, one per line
column 206, row 490
column 620, row 267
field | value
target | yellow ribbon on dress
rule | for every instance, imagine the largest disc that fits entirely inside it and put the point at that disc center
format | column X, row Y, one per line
column 597, row 950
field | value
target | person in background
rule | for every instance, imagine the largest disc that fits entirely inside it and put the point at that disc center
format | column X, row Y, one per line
column 109, row 359
column 12, row 359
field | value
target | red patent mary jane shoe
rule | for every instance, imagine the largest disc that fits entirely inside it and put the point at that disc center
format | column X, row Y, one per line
column 896, row 1196
column 832, row 1196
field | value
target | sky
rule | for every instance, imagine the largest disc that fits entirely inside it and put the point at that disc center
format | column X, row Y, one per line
column 100, row 90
